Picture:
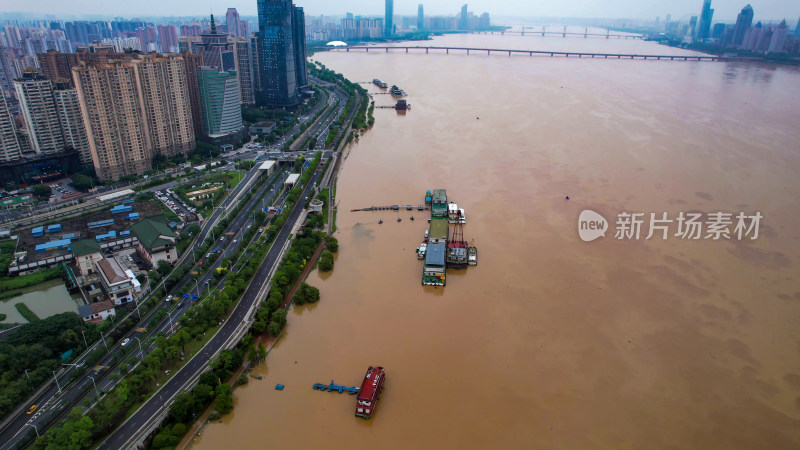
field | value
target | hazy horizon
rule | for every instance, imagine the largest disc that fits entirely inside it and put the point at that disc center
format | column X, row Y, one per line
column 725, row 10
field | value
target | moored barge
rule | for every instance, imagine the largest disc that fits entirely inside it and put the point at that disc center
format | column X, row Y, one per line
column 371, row 387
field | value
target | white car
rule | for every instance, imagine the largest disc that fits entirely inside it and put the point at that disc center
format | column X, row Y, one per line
column 169, row 297
column 126, row 341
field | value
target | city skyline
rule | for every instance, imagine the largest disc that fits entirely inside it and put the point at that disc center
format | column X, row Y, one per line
column 623, row 9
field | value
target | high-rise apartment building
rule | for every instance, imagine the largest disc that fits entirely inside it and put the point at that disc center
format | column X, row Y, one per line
column 232, row 21
column 463, row 18
column 134, row 110
column 221, row 104
column 420, row 17
column 68, row 109
column 779, row 36
column 9, row 70
column 165, row 100
column 35, row 95
column 388, row 20
column 55, row 64
column 277, row 53
column 168, row 38
column 9, row 145
column 743, row 21
column 193, row 64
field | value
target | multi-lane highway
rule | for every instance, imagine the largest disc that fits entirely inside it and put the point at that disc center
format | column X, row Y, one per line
column 59, row 398
column 128, row 433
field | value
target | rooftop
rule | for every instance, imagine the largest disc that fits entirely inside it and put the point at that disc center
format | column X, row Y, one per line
column 439, row 229
column 434, row 255
column 112, row 271
column 440, row 196
column 85, row 247
column 370, row 384
column 94, row 308
column 153, row 232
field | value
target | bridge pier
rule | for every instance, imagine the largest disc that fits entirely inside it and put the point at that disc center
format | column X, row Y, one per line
column 348, row 50
column 387, row 49
column 406, row 49
column 531, row 54
column 488, row 52
column 448, row 51
column 426, row 49
column 509, row 53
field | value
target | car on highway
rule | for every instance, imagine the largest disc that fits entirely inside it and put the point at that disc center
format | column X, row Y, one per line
column 126, row 341
column 169, row 297
column 202, row 262
column 31, row 409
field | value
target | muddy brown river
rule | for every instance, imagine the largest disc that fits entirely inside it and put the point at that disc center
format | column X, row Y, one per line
column 553, row 342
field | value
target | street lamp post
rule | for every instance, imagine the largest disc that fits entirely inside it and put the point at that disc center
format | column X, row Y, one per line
column 208, row 286
column 141, row 352
column 35, row 428
column 84, row 339
column 57, row 385
column 26, row 374
column 95, row 385
column 104, row 340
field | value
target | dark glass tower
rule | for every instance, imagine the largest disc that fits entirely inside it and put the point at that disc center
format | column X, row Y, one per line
column 743, row 21
column 299, row 33
column 387, row 21
column 277, row 66
column 706, row 14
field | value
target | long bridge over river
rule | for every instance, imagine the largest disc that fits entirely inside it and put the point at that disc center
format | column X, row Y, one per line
column 534, row 31
column 489, row 51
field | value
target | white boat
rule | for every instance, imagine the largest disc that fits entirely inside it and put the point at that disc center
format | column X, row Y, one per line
column 472, row 258
column 421, row 250
column 426, row 233
column 463, row 216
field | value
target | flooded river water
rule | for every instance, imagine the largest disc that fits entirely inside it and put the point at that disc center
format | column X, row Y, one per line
column 553, row 342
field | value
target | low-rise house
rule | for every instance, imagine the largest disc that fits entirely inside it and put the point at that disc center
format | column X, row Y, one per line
column 156, row 240
column 87, row 254
column 97, row 312
column 118, row 283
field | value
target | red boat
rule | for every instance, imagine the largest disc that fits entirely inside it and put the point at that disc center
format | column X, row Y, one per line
column 368, row 394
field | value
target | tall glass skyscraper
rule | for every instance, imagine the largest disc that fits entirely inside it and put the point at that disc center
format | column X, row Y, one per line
column 221, row 103
column 281, row 52
column 388, row 20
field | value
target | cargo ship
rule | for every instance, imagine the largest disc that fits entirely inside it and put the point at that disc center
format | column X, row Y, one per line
column 457, row 248
column 396, row 91
column 379, row 83
column 433, row 271
column 371, row 387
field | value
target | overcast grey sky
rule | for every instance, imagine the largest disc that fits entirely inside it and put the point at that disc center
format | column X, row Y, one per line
column 637, row 9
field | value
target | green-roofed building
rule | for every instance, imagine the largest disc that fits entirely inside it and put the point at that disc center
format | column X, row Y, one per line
column 86, row 253
column 156, row 240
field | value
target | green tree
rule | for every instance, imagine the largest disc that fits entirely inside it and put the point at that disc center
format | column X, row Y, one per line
column 274, row 329
column 82, row 182
column 224, row 398
column 183, row 407
column 163, row 267
column 326, row 261
column 42, row 190
column 332, row 244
